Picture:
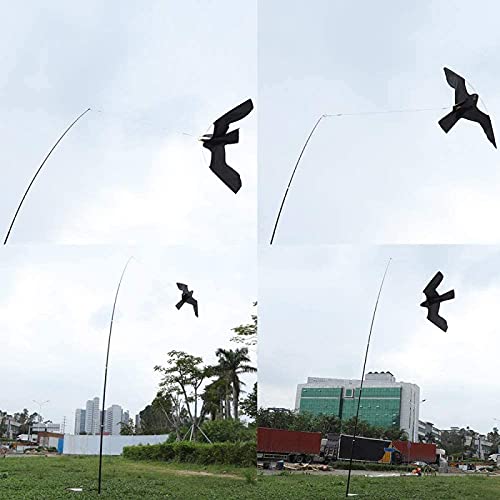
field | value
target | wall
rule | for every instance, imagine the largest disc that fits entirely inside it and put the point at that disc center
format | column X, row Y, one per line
column 112, row 445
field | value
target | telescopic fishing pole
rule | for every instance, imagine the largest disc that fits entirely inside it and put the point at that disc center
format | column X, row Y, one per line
column 363, row 378
column 38, row 171
column 106, row 375
column 363, row 113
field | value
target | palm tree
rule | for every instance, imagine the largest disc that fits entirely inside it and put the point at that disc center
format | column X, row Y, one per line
column 234, row 363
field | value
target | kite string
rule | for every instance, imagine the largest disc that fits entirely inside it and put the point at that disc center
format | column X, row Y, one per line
column 413, row 110
column 326, row 115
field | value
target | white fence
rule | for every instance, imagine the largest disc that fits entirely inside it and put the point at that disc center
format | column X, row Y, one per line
column 112, row 445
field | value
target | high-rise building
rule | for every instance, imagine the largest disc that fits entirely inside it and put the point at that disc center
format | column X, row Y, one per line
column 89, row 420
column 79, row 421
column 137, row 421
column 92, row 414
column 113, row 419
column 384, row 402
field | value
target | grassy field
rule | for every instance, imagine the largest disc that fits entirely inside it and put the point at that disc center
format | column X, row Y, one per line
column 28, row 478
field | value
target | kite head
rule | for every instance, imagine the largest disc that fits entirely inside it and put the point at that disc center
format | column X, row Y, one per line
column 475, row 97
column 424, row 304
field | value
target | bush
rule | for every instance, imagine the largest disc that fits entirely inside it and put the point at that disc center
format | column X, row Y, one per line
column 242, row 453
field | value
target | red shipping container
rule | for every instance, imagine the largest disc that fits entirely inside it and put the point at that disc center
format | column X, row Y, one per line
column 412, row 452
column 283, row 441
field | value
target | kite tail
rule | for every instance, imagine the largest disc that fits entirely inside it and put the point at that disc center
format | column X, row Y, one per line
column 180, row 304
column 448, row 121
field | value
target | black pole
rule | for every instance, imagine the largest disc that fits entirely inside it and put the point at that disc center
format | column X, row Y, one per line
column 362, row 380
column 293, row 173
column 37, row 172
column 106, row 375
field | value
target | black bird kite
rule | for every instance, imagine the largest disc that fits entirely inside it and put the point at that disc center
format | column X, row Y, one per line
column 465, row 107
column 217, row 142
column 434, row 300
column 187, row 296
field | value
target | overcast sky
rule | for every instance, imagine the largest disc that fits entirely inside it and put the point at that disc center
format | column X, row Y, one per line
column 55, row 307
column 392, row 178
column 126, row 173
column 315, row 308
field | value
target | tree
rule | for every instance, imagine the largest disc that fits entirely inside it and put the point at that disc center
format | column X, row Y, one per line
column 275, row 418
column 249, row 404
column 185, row 373
column 494, row 438
column 453, row 441
column 234, row 363
column 169, row 402
column 3, row 422
column 215, row 399
column 127, row 428
column 246, row 334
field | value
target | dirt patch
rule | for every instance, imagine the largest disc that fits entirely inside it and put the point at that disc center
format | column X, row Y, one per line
column 204, row 473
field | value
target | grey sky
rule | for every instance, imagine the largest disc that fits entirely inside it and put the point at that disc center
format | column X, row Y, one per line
column 315, row 310
column 126, row 173
column 395, row 178
column 55, row 307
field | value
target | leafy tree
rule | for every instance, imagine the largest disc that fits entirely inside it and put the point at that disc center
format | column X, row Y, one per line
column 249, row 404
column 216, row 398
column 246, row 334
column 127, row 428
column 234, row 363
column 186, row 373
column 169, row 402
column 227, row 430
column 275, row 418
column 453, row 441
column 494, row 438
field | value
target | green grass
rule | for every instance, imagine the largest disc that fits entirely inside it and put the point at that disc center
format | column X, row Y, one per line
column 46, row 478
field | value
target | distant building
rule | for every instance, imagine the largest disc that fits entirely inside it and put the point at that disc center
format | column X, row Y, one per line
column 48, row 427
column 88, row 421
column 384, row 401
column 13, row 428
column 79, row 421
column 113, row 419
column 428, row 432
column 92, row 414
column 137, row 421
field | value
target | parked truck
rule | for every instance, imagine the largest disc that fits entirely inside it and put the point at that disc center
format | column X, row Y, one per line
column 417, row 452
column 298, row 446
column 368, row 450
column 291, row 446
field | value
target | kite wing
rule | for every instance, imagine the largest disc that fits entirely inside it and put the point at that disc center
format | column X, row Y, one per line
column 458, row 83
column 223, row 171
column 221, row 125
column 194, row 303
column 182, row 287
column 447, row 296
column 484, row 120
column 430, row 289
column 433, row 317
